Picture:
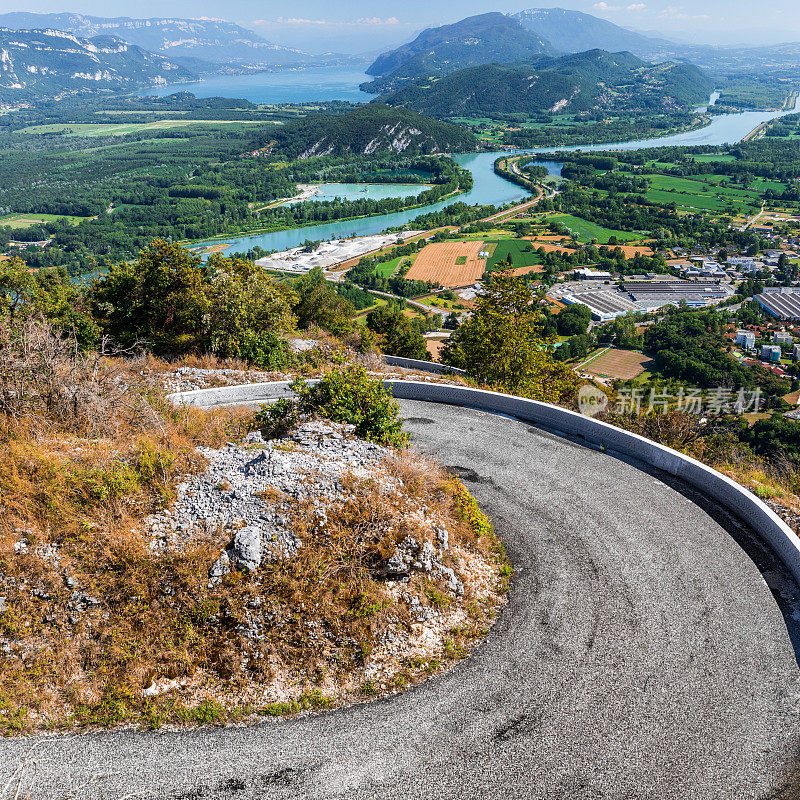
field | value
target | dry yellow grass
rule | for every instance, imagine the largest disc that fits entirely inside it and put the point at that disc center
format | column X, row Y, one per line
column 623, row 364
column 77, row 487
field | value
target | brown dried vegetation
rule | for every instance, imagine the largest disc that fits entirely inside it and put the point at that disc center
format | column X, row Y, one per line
column 91, row 616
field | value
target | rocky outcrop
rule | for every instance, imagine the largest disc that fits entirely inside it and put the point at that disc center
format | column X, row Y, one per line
column 308, row 464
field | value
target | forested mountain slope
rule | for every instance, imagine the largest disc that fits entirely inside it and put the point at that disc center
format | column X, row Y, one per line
column 371, row 129
column 579, row 82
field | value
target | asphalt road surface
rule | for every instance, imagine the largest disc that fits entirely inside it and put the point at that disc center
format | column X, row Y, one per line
column 641, row 655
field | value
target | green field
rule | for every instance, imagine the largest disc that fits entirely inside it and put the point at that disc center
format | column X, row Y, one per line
column 28, row 220
column 386, row 268
column 517, row 249
column 123, row 128
column 586, row 231
column 714, row 157
column 698, row 194
column 434, row 300
column 764, row 184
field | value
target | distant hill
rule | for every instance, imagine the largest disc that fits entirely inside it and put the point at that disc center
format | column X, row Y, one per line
column 370, row 129
column 210, row 40
column 575, row 32
column 482, row 39
column 50, row 63
column 594, row 80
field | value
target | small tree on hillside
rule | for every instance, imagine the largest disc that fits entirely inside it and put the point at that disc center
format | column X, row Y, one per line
column 318, row 303
column 249, row 313
column 160, row 298
column 503, row 343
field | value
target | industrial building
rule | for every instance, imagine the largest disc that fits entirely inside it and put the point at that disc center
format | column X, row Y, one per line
column 781, row 302
column 607, row 303
column 660, row 293
column 592, row 274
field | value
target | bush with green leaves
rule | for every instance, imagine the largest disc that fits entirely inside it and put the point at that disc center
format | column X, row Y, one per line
column 345, row 394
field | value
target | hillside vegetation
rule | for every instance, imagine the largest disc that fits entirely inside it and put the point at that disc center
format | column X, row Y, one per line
column 371, row 129
column 581, row 82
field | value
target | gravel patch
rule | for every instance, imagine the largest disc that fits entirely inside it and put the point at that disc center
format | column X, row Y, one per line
column 306, row 465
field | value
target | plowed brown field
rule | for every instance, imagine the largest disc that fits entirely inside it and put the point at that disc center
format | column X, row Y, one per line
column 438, row 263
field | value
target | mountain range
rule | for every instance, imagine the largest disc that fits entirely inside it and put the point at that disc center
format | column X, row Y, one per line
column 575, row 32
column 593, row 80
column 556, row 31
column 189, row 40
column 481, row 39
column 51, row 63
column 53, row 54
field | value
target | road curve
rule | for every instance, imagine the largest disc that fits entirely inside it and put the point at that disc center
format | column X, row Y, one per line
column 641, row 655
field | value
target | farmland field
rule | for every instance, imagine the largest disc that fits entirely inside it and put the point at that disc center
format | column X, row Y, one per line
column 124, row 128
column 28, row 220
column 724, row 157
column 387, row 268
column 697, row 194
column 622, row 364
column 438, row 263
column 516, row 249
column 586, row 231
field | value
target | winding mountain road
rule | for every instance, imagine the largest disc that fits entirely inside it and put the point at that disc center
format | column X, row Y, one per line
column 641, row 656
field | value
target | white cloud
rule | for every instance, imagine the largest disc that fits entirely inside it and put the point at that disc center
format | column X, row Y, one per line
column 603, row 6
column 673, row 12
column 362, row 22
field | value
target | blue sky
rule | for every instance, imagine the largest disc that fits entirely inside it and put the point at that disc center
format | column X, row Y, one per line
column 368, row 25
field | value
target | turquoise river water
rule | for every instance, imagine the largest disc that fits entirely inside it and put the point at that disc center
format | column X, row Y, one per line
column 488, row 188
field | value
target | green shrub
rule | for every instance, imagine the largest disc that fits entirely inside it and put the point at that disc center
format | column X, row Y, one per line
column 347, row 395
column 265, row 350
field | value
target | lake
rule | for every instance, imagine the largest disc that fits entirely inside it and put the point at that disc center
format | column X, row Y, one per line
column 488, row 189
column 276, row 88
column 362, row 191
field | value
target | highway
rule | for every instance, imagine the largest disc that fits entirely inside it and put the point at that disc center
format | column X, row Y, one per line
column 641, row 656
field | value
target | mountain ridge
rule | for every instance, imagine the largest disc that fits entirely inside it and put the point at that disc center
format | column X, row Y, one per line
column 371, row 128
column 39, row 64
column 480, row 39
column 210, row 40
column 594, row 80
column 575, row 31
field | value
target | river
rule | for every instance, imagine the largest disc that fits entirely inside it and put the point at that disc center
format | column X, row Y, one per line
column 723, row 129
column 488, row 188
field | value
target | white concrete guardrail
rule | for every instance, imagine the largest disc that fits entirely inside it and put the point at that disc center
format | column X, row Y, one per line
column 422, row 366
column 735, row 498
